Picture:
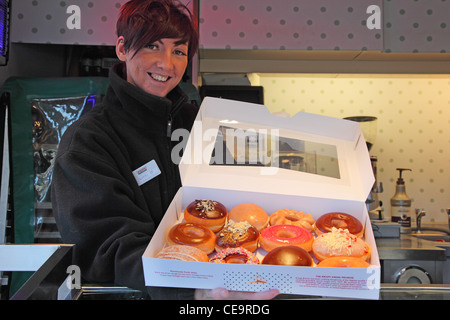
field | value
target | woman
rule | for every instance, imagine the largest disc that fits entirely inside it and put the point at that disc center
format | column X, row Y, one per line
column 99, row 202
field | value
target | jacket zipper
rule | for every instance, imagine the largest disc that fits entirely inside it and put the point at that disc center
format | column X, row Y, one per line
column 174, row 168
column 169, row 126
column 174, row 110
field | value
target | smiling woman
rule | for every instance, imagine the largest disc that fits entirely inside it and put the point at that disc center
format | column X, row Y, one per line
column 144, row 23
column 113, row 176
column 156, row 42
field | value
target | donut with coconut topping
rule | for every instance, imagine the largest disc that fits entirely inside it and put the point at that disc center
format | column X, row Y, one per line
column 340, row 242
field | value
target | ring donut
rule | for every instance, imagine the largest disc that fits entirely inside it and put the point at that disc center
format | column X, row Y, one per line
column 285, row 235
column 194, row 235
column 235, row 255
column 338, row 220
column 343, row 262
column 290, row 216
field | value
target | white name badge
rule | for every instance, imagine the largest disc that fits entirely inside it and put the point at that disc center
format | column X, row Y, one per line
column 146, row 173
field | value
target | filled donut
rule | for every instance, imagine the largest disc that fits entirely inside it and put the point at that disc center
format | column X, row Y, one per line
column 338, row 220
column 237, row 234
column 340, row 242
column 288, row 256
column 209, row 213
column 250, row 212
column 343, row 262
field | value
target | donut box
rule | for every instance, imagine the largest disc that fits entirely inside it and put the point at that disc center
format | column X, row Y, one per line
column 239, row 153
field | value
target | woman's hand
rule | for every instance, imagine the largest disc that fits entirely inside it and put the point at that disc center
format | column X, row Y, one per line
column 224, row 294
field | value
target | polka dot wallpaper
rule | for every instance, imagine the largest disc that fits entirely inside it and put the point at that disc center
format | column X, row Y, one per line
column 288, row 24
column 413, row 126
column 416, row 25
column 405, row 25
column 47, row 21
column 53, row 21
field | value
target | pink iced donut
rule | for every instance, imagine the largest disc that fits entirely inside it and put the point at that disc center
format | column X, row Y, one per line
column 238, row 255
column 285, row 235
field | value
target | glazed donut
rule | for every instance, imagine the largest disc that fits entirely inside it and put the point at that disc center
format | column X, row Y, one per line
column 285, row 235
column 237, row 234
column 338, row 220
column 209, row 213
column 343, row 262
column 340, row 242
column 250, row 212
column 288, row 256
column 184, row 253
column 194, row 235
column 290, row 216
column 235, row 255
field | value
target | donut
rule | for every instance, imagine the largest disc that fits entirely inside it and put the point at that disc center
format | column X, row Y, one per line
column 183, row 253
column 254, row 214
column 290, row 216
column 235, row 255
column 285, row 235
column 194, row 235
column 237, row 234
column 343, row 262
column 288, row 256
column 338, row 220
column 208, row 213
column 340, row 242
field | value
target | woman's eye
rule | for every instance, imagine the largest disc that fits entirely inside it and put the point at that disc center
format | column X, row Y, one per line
column 152, row 46
column 180, row 53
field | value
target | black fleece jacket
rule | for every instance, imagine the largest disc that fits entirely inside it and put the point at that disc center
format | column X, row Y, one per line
column 98, row 204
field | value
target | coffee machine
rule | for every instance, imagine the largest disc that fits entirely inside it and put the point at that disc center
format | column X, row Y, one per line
column 369, row 127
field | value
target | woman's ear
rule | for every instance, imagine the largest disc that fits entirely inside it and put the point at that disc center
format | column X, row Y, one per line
column 120, row 49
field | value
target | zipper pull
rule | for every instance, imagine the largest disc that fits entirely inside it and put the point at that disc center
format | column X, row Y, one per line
column 169, row 126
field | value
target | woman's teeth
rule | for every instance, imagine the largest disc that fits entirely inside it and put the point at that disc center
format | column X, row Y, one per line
column 159, row 78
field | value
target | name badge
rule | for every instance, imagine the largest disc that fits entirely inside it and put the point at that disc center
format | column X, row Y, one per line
column 146, row 173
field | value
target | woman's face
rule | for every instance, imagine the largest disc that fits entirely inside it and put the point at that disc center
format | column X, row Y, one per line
column 158, row 67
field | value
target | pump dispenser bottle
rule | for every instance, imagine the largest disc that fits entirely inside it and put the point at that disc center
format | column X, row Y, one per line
column 401, row 205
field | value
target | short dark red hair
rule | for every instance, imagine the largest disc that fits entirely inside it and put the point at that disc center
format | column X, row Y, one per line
column 142, row 22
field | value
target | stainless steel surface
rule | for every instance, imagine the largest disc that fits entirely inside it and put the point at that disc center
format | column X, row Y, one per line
column 448, row 213
column 49, row 278
column 396, row 291
column 409, row 247
column 416, row 257
column 18, row 257
column 439, row 239
column 419, row 214
column 435, row 292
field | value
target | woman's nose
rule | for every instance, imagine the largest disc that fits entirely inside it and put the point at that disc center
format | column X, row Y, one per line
column 165, row 60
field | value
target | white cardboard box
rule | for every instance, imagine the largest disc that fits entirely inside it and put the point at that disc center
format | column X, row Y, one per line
column 272, row 188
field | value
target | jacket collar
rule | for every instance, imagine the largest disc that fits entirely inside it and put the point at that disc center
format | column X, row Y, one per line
column 141, row 103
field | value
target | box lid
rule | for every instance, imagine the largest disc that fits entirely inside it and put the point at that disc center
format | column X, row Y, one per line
column 242, row 146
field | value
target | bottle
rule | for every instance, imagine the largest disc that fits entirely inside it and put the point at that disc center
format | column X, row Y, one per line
column 401, row 205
